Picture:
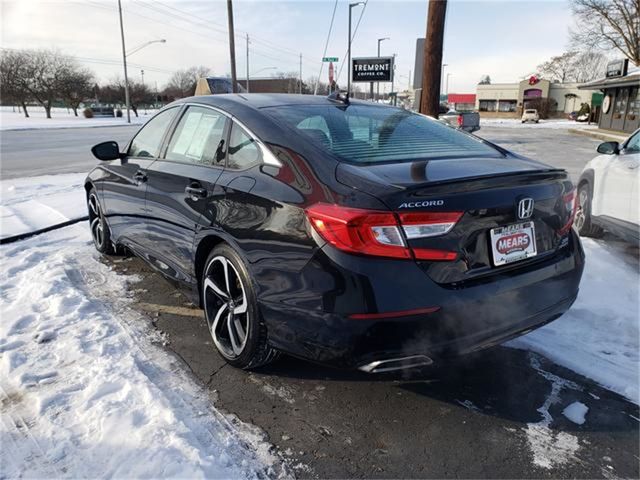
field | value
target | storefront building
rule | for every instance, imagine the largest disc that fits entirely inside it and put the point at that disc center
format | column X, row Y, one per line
column 510, row 99
column 620, row 110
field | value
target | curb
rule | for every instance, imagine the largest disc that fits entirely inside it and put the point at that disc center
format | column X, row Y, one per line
column 599, row 135
column 23, row 236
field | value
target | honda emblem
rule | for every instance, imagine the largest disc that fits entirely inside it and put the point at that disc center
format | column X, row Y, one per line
column 525, row 208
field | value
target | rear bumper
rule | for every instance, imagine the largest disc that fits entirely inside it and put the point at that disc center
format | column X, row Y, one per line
column 469, row 319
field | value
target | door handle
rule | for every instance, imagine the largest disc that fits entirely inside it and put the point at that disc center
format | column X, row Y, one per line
column 140, row 177
column 196, row 192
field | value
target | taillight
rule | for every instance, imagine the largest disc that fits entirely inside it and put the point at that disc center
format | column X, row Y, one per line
column 428, row 224
column 373, row 232
column 569, row 204
column 460, row 121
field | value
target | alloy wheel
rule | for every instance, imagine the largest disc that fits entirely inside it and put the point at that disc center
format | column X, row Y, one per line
column 95, row 218
column 581, row 216
column 226, row 307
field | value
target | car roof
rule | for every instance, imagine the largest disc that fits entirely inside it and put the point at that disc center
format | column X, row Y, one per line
column 264, row 100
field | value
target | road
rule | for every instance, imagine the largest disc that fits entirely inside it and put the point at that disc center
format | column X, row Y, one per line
column 28, row 153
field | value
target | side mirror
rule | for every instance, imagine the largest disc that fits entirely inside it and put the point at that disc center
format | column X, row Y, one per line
column 609, row 148
column 106, row 151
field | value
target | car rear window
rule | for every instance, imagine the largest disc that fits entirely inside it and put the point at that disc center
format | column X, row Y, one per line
column 375, row 134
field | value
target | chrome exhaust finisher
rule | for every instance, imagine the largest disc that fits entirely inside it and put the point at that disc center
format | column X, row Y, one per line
column 379, row 366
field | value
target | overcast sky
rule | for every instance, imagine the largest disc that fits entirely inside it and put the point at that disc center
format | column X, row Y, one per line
column 504, row 39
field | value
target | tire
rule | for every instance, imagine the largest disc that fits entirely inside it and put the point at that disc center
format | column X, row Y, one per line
column 98, row 225
column 582, row 220
column 241, row 338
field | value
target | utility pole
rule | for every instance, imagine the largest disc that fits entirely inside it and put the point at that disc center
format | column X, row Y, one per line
column 232, row 46
column 393, row 78
column 142, row 77
column 432, row 64
column 300, row 74
column 248, row 63
column 124, row 61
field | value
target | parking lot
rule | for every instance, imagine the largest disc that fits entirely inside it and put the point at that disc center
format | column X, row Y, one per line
column 497, row 414
column 478, row 417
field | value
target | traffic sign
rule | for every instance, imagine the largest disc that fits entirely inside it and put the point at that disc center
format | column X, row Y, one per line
column 329, row 59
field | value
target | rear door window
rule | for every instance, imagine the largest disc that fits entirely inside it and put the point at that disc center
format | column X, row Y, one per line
column 243, row 149
column 198, row 138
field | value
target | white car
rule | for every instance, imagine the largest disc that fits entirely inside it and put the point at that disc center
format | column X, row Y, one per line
column 530, row 115
column 608, row 191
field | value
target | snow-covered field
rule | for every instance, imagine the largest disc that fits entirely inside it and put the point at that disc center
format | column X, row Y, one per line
column 61, row 118
column 29, row 204
column 86, row 388
column 556, row 123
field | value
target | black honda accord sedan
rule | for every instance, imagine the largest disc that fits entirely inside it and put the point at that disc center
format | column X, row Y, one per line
column 343, row 232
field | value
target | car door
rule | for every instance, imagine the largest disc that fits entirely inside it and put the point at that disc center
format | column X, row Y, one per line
column 124, row 186
column 630, row 156
column 618, row 178
column 178, row 185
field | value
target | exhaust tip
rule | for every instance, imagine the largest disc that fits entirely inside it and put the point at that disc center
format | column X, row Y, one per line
column 392, row 364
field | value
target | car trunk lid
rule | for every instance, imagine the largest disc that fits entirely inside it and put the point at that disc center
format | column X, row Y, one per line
column 487, row 193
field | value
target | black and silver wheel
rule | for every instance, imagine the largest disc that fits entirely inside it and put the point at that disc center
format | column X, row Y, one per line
column 237, row 331
column 582, row 220
column 99, row 228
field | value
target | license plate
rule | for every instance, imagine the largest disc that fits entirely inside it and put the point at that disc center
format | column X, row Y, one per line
column 513, row 243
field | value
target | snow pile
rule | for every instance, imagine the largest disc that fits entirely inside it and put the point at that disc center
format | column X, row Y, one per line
column 28, row 204
column 555, row 123
column 60, row 118
column 576, row 412
column 599, row 336
column 86, row 391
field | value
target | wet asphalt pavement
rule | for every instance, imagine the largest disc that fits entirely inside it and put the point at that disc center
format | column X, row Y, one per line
column 481, row 417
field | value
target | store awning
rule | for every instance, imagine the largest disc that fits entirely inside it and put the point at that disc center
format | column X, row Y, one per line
column 630, row 80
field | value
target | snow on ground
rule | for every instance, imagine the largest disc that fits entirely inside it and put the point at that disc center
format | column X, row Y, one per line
column 85, row 387
column 599, row 337
column 61, row 118
column 576, row 412
column 28, row 204
column 555, row 123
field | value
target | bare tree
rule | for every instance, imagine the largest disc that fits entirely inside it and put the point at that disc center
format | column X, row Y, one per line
column 183, row 82
column 46, row 70
column 76, row 85
column 589, row 66
column 607, row 25
column 574, row 66
column 139, row 94
column 13, row 79
column 485, row 80
column 560, row 67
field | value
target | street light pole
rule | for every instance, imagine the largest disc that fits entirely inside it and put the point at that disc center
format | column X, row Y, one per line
column 351, row 5
column 447, row 88
column 124, row 61
column 380, row 40
column 248, row 63
column 444, row 65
